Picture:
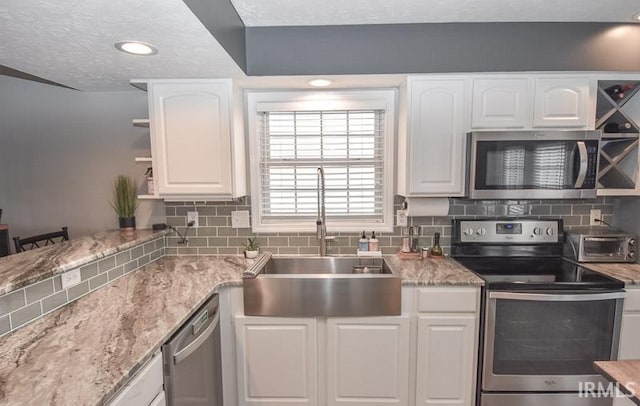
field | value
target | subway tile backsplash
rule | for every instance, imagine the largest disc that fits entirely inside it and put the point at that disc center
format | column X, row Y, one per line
column 215, row 235
column 29, row 303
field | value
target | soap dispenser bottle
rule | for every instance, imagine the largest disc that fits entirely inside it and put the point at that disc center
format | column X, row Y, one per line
column 374, row 244
column 363, row 243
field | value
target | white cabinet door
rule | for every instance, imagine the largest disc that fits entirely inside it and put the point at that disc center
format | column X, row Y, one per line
column 368, row 361
column 277, row 360
column 563, row 102
column 501, row 103
column 435, row 139
column 630, row 328
column 145, row 387
column 446, row 360
column 191, row 137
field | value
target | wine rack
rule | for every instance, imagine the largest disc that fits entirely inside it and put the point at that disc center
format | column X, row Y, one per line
column 618, row 116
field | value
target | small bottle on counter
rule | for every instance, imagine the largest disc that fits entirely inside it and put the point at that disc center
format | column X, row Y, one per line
column 363, row 243
column 436, row 250
column 374, row 244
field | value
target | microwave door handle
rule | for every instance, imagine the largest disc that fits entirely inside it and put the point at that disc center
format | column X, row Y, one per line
column 584, row 164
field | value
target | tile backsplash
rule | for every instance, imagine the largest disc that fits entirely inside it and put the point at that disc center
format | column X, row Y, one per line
column 215, row 235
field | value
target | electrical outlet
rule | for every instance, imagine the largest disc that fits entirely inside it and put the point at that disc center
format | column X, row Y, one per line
column 240, row 219
column 70, row 278
column 193, row 216
column 401, row 218
column 595, row 214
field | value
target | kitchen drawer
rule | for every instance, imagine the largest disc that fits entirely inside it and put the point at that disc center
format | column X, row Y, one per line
column 632, row 301
column 144, row 387
column 448, row 300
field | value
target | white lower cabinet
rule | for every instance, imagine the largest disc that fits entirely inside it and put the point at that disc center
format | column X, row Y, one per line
column 425, row 356
column 446, row 360
column 447, row 346
column 277, row 360
column 145, row 388
column 368, row 361
column 630, row 331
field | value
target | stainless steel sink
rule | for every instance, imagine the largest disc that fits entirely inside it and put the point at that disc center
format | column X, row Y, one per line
column 322, row 286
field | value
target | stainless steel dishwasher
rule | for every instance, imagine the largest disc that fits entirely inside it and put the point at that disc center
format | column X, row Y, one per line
column 192, row 361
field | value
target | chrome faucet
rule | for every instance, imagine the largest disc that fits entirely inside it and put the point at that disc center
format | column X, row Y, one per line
column 321, row 222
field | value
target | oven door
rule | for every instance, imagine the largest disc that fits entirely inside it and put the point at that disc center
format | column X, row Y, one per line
column 604, row 249
column 547, row 341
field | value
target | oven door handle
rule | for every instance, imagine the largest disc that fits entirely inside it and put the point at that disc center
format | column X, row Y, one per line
column 556, row 297
column 584, row 164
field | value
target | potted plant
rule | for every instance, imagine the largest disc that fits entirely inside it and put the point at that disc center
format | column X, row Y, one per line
column 125, row 202
column 251, row 248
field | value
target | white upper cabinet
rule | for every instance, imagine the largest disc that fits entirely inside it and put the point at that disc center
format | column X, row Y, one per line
column 563, row 102
column 500, row 103
column 434, row 144
column 534, row 101
column 191, row 137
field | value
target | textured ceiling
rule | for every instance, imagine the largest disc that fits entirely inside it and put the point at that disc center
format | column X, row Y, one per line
column 340, row 12
column 71, row 42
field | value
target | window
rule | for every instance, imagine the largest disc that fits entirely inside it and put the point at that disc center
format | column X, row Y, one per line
column 349, row 135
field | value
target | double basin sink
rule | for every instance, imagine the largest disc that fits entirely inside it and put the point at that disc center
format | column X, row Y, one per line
column 322, row 286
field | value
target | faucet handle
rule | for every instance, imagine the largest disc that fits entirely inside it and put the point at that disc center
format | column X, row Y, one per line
column 329, row 237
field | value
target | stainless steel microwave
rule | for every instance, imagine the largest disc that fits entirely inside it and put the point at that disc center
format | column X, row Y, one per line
column 533, row 164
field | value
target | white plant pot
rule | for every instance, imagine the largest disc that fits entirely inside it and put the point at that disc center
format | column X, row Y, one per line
column 251, row 254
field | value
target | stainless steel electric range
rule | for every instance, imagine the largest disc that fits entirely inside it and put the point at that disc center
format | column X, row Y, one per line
column 545, row 319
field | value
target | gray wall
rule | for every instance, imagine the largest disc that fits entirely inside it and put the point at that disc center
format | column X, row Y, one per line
column 440, row 48
column 60, row 151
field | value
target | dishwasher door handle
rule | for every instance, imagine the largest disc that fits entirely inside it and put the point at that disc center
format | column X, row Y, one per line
column 195, row 344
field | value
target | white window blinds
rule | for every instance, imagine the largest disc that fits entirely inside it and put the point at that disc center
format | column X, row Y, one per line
column 348, row 144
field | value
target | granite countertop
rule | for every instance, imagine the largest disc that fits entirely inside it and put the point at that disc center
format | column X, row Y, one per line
column 100, row 340
column 625, row 373
column 28, row 267
column 445, row 271
column 627, row 273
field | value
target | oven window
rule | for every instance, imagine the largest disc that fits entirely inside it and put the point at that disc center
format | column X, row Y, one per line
column 552, row 338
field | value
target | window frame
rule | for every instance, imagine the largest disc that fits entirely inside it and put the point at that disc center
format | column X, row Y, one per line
column 378, row 99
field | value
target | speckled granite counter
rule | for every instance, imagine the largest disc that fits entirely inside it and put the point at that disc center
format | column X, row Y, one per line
column 97, row 342
column 429, row 271
column 28, row 267
column 627, row 273
column 625, row 373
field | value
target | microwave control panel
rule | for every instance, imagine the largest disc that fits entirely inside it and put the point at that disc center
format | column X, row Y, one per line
column 509, row 231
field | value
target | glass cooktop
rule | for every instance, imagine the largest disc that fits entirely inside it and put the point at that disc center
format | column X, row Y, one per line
column 537, row 273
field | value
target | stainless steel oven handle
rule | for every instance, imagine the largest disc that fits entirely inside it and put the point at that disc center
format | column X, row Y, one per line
column 556, row 297
column 584, row 164
column 195, row 344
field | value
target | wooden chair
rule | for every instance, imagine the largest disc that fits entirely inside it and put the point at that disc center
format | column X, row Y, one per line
column 23, row 244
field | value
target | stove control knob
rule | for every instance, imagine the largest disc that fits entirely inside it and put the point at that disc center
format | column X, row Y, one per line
column 481, row 231
column 468, row 231
column 632, row 242
column 537, row 231
column 549, row 231
column 631, row 254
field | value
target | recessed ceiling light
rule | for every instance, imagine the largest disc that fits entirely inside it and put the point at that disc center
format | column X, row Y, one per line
column 136, row 48
column 320, row 82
